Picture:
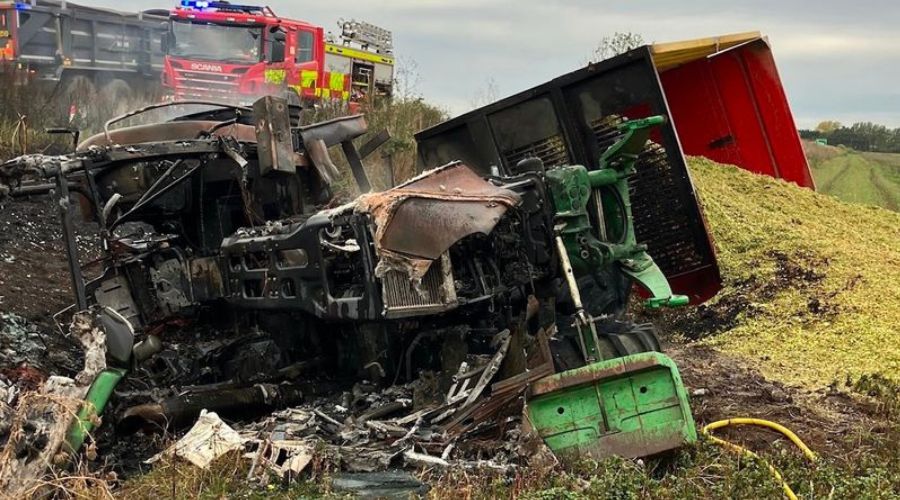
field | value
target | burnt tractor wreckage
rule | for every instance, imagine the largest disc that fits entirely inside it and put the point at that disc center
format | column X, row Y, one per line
column 216, row 216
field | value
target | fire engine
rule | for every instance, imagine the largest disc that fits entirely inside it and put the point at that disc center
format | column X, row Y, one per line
column 233, row 52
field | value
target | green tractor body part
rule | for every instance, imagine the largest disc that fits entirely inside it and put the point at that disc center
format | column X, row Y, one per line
column 94, row 403
column 631, row 406
column 572, row 187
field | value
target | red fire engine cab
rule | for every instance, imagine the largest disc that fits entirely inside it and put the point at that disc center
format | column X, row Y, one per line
column 237, row 53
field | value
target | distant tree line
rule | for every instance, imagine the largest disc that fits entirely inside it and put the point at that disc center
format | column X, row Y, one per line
column 861, row 136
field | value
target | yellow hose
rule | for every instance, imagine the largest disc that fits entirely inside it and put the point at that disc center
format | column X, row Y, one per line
column 740, row 449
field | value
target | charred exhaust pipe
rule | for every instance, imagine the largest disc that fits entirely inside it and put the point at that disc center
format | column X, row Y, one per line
column 236, row 403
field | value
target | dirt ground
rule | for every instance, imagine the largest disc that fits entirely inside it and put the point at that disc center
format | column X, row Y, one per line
column 34, row 274
column 34, row 284
column 723, row 387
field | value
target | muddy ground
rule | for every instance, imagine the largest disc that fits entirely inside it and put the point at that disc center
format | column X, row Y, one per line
column 34, row 285
column 723, row 387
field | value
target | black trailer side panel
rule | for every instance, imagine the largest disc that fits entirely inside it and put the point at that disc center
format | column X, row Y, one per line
column 570, row 120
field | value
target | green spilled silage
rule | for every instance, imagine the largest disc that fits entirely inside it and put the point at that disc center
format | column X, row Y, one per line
column 818, row 280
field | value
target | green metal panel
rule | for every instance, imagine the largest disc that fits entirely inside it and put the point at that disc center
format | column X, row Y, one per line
column 94, row 402
column 631, row 406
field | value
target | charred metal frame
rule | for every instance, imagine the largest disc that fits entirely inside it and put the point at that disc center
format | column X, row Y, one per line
column 307, row 274
column 446, row 252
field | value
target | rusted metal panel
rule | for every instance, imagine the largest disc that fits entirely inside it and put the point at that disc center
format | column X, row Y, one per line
column 428, row 227
column 275, row 147
column 169, row 131
column 418, row 221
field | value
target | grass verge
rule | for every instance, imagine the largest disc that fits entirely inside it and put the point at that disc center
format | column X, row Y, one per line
column 854, row 177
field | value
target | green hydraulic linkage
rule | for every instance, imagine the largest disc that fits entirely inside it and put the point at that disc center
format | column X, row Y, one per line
column 578, row 246
column 629, row 406
column 572, row 187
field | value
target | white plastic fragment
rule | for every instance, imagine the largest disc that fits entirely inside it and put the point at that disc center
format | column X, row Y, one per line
column 208, row 439
column 423, row 459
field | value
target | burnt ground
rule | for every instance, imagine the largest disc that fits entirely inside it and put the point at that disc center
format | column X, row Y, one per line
column 742, row 298
column 34, row 284
column 34, row 274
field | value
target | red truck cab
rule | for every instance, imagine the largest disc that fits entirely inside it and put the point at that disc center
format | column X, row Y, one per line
column 8, row 25
column 236, row 53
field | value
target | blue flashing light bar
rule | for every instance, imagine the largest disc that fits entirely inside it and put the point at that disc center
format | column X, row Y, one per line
column 206, row 4
column 195, row 4
column 23, row 6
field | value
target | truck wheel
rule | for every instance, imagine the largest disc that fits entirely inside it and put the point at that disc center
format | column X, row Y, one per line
column 118, row 96
column 624, row 338
column 617, row 339
column 80, row 86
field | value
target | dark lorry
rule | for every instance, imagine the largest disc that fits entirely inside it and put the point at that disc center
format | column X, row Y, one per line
column 78, row 48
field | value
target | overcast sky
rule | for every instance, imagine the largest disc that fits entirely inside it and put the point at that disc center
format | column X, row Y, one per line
column 838, row 60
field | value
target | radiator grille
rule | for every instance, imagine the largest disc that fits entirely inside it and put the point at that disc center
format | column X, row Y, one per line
column 662, row 220
column 436, row 292
column 205, row 85
column 552, row 151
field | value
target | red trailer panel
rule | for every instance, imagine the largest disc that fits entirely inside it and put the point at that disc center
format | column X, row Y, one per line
column 729, row 105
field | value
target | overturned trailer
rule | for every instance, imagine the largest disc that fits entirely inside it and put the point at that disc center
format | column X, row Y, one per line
column 573, row 119
column 722, row 97
column 220, row 215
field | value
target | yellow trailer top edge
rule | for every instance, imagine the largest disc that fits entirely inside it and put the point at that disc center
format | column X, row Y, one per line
column 669, row 54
